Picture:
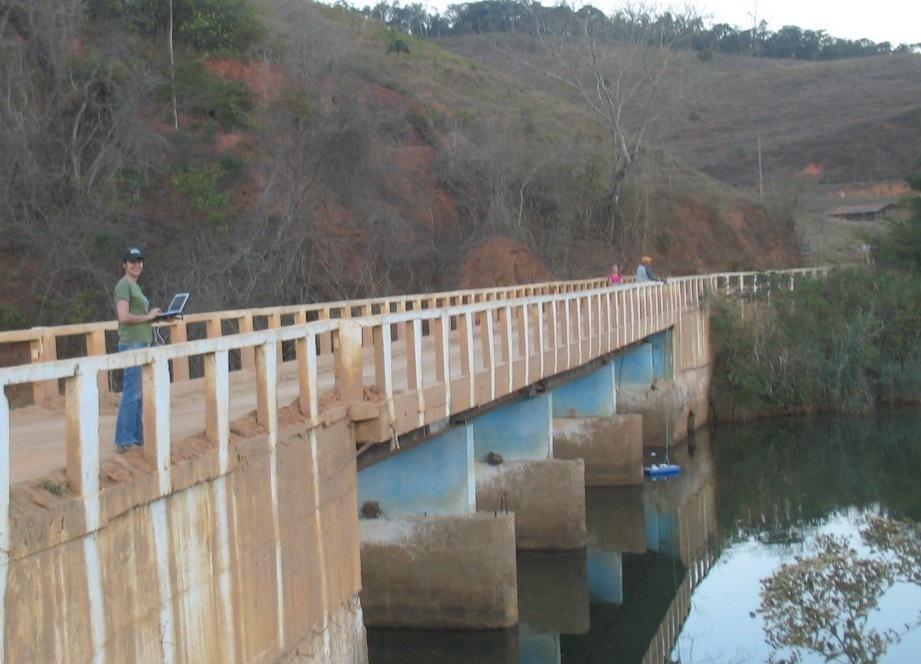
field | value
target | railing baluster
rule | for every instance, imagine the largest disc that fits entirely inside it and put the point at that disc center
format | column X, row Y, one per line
column 267, row 389
column 157, row 410
column 505, row 345
column 349, row 363
column 489, row 353
column 6, row 445
column 468, row 369
column 217, row 404
column 81, row 412
column 305, row 349
column 567, row 331
column 554, row 334
column 248, row 354
column 414, row 377
column 579, row 331
column 539, row 331
column 44, row 349
column 442, row 339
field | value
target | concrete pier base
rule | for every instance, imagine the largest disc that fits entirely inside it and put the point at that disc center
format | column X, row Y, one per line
column 342, row 639
column 547, row 498
column 611, row 447
column 448, row 571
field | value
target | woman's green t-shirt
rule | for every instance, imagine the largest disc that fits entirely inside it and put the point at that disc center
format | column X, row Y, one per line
column 137, row 305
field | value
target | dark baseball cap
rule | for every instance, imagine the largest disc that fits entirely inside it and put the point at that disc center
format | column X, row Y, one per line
column 132, row 254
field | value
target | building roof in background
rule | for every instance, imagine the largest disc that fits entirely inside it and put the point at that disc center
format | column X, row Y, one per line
column 847, row 210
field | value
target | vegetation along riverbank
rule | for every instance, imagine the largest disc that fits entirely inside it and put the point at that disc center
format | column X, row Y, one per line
column 843, row 344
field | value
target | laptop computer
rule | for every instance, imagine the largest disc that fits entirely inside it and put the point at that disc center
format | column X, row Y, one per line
column 176, row 306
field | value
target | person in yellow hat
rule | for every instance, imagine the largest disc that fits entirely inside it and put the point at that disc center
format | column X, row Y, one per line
column 644, row 271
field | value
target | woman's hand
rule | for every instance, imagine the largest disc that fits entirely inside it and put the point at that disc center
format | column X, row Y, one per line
column 153, row 313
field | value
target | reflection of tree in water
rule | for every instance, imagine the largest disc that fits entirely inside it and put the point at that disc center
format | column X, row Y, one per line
column 822, row 602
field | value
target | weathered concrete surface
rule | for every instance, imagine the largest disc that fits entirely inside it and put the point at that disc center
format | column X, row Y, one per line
column 611, row 447
column 341, row 639
column 668, row 408
column 447, row 571
column 242, row 566
column 547, row 498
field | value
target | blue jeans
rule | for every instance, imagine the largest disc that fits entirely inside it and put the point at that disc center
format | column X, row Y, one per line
column 129, row 427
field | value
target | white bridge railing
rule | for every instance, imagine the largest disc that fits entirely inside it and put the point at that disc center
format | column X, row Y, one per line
column 427, row 363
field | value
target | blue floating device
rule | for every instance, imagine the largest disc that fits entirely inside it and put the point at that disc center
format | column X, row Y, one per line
column 662, row 470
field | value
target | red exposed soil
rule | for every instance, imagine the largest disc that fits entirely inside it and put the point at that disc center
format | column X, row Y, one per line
column 812, row 170
column 265, row 80
column 501, row 261
column 415, row 180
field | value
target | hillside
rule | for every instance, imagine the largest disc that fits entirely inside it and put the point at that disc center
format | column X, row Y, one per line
column 851, row 120
column 304, row 163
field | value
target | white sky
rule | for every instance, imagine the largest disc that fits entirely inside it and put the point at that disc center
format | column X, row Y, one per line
column 896, row 21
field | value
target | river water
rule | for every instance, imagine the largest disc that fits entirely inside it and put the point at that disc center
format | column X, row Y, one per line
column 674, row 570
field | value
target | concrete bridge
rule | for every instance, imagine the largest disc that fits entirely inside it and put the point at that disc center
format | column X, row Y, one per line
column 403, row 447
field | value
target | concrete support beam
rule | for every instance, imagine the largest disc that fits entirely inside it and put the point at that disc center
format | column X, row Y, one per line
column 436, row 477
column 452, row 572
column 518, row 431
column 547, row 498
column 591, row 395
column 611, row 447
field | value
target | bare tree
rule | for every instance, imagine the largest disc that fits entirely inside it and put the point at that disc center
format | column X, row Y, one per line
column 616, row 67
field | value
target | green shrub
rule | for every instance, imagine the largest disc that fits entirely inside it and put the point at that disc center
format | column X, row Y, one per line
column 211, row 26
column 200, row 185
column 203, row 94
column 839, row 344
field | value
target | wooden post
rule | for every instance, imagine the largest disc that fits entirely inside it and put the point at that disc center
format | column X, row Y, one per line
column 468, row 369
column 326, row 339
column 539, row 332
column 44, row 349
column 349, row 364
column 267, row 389
column 157, row 420
column 305, row 348
column 505, row 345
column 441, row 331
column 81, row 412
column 248, row 354
column 524, row 343
column 366, row 332
column 5, row 447
column 414, row 379
column 554, row 334
column 567, row 331
column 217, row 405
column 489, row 354
column 579, row 332
column 178, row 335
column 383, row 359
column 274, row 323
column 96, row 345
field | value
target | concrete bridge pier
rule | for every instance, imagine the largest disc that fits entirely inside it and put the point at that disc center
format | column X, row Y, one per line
column 666, row 379
column 586, row 426
column 516, row 472
column 428, row 559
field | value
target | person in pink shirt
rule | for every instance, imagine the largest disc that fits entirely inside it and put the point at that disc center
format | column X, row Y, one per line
column 614, row 277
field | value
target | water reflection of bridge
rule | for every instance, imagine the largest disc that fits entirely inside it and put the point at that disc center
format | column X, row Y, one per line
column 625, row 599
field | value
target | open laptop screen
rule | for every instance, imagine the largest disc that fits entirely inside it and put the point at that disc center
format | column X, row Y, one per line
column 177, row 305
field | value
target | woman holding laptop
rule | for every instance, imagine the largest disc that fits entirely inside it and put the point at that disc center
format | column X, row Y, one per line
column 134, row 331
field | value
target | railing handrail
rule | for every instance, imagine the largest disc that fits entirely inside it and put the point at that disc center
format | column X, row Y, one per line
column 46, row 371
column 74, row 329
